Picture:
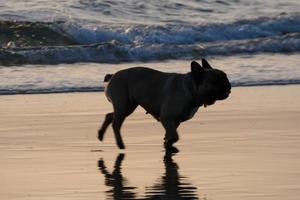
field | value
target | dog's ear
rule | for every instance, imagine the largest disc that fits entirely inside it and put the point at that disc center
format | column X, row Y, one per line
column 196, row 68
column 205, row 64
column 197, row 71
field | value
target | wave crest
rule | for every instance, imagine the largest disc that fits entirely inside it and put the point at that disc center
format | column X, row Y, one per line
column 66, row 42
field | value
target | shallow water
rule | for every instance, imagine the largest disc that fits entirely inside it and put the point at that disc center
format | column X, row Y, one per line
column 247, row 70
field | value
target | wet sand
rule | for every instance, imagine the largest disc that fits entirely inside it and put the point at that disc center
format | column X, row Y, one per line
column 247, row 147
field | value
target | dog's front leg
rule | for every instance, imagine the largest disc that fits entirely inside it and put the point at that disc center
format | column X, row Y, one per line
column 171, row 135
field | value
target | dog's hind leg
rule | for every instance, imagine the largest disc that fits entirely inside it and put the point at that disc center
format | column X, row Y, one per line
column 107, row 121
column 117, row 123
column 120, row 114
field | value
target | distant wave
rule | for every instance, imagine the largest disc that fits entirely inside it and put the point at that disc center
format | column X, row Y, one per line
column 183, row 33
column 66, row 42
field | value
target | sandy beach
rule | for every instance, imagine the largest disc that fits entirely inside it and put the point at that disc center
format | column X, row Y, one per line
column 247, row 147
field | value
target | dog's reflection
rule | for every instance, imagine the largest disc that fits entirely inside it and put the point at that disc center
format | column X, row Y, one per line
column 116, row 181
column 170, row 186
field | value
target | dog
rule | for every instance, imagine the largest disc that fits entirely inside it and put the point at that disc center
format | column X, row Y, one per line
column 171, row 98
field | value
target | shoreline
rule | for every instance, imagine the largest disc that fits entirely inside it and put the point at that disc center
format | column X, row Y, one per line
column 101, row 89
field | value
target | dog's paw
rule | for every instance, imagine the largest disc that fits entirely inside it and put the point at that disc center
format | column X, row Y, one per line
column 101, row 164
column 100, row 134
column 121, row 145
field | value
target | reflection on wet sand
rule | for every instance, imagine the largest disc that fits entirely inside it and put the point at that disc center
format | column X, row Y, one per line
column 171, row 185
column 116, row 181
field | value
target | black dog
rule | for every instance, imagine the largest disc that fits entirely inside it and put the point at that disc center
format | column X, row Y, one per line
column 171, row 98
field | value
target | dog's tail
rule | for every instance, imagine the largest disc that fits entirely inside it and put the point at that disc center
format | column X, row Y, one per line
column 107, row 77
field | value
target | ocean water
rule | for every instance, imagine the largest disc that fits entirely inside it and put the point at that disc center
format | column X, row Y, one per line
column 69, row 45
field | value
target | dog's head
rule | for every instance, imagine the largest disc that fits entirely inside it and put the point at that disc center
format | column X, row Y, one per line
column 211, row 84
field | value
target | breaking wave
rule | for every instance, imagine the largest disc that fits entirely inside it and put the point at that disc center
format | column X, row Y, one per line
column 68, row 42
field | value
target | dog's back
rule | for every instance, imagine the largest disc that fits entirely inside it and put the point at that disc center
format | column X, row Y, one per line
column 139, row 85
